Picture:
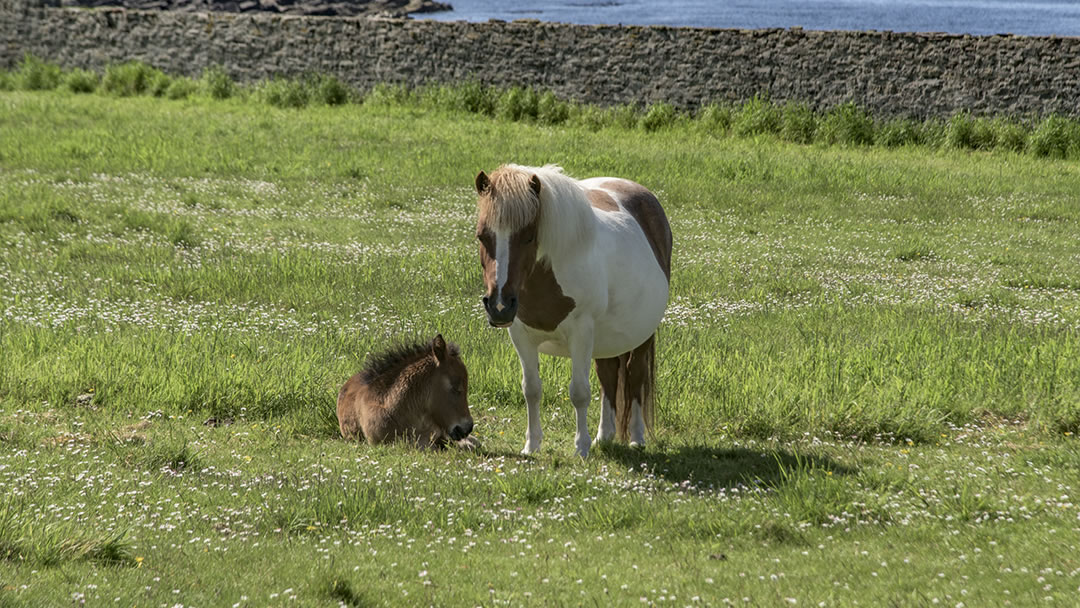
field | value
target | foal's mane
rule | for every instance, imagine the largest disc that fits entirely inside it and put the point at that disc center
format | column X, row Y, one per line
column 565, row 215
column 382, row 369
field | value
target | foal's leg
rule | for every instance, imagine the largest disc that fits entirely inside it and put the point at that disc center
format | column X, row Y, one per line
column 607, row 372
column 581, row 347
column 530, row 386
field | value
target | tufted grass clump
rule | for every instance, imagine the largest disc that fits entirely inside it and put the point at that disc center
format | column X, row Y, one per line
column 181, row 88
column 933, row 132
column 134, row 78
column 715, row 118
column 81, row 81
column 217, row 83
column 659, row 116
column 898, row 132
column 914, row 249
column 184, row 234
column 472, row 97
column 550, row 110
column 1010, row 135
column 328, row 89
column 24, row 538
column 34, row 74
column 798, row 123
column 590, row 117
column 518, row 103
column 961, row 131
column 965, row 132
column 384, row 94
column 622, row 116
column 478, row 98
column 283, row 93
column 1056, row 137
column 847, row 124
column 757, row 116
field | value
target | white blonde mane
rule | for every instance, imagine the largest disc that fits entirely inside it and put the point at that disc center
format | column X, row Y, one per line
column 566, row 217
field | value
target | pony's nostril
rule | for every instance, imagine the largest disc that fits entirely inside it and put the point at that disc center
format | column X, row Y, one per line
column 457, row 433
column 486, row 299
column 511, row 302
column 468, row 428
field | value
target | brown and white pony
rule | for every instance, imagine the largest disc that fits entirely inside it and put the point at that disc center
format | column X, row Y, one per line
column 577, row 269
column 417, row 393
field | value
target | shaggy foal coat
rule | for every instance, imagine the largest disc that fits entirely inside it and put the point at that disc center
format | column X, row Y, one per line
column 416, row 393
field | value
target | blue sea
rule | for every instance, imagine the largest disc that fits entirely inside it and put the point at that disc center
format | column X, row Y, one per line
column 1032, row 17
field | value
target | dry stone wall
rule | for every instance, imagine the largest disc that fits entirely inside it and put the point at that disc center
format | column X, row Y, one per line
column 892, row 74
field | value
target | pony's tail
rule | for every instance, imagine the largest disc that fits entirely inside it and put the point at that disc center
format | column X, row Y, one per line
column 636, row 368
column 648, row 385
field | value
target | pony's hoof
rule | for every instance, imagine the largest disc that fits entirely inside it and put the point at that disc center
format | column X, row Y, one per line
column 529, row 450
column 583, row 449
column 637, row 445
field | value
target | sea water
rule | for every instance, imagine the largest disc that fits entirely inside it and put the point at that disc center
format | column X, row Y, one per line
column 1030, row 17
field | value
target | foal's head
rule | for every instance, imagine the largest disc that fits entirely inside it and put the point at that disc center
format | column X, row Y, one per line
column 448, row 383
column 507, row 228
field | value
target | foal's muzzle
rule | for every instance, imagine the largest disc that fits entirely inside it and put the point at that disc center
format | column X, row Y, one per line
column 461, row 430
column 500, row 311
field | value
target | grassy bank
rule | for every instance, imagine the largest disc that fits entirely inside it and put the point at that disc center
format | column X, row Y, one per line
column 1043, row 136
column 868, row 371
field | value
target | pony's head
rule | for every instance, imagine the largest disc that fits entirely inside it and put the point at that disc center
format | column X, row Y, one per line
column 449, row 386
column 508, row 229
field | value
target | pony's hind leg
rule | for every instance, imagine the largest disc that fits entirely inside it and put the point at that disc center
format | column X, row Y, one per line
column 607, row 372
column 530, row 386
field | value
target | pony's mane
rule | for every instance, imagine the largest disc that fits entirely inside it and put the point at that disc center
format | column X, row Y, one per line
column 382, row 369
column 566, row 217
column 510, row 203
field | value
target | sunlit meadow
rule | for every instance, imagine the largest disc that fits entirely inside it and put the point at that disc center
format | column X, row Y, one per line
column 869, row 374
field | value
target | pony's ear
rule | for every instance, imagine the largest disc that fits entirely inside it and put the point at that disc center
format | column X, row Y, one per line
column 482, row 182
column 534, row 183
column 438, row 348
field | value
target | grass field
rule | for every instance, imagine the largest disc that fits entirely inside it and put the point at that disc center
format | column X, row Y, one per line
column 869, row 374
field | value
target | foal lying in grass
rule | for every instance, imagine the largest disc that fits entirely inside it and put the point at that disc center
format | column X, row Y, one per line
column 416, row 393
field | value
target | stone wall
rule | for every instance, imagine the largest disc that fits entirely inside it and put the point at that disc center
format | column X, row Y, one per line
column 892, row 74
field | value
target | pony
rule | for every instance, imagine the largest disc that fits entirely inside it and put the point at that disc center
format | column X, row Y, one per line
column 416, row 392
column 579, row 269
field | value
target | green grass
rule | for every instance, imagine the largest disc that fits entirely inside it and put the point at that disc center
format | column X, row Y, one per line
column 868, row 373
column 847, row 124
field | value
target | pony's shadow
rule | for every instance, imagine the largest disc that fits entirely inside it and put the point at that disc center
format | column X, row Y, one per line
column 719, row 467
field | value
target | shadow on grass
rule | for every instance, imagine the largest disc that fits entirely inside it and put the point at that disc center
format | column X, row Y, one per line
column 718, row 467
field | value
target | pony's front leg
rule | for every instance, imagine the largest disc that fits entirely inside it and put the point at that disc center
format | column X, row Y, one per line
column 530, row 386
column 581, row 348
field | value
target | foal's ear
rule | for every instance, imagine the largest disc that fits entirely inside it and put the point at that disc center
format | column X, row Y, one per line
column 482, row 182
column 438, row 348
column 534, row 183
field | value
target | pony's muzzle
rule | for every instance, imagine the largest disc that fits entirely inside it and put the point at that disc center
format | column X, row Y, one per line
column 461, row 430
column 500, row 311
